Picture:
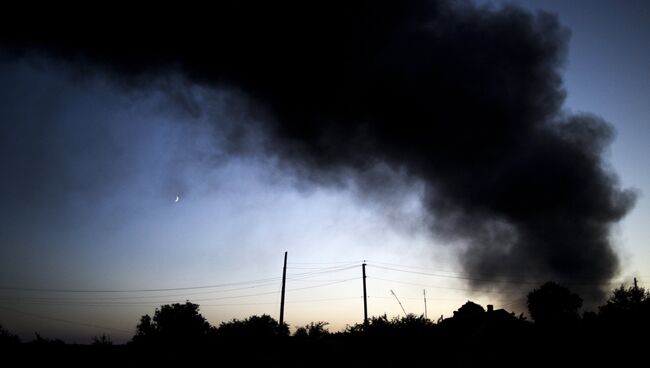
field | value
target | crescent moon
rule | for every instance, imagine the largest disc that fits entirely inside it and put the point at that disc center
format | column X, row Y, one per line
column 177, row 199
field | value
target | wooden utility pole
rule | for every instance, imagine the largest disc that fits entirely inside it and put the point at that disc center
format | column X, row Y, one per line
column 284, row 281
column 424, row 291
column 365, row 297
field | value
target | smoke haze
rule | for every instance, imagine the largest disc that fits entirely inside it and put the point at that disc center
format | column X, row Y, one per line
column 463, row 102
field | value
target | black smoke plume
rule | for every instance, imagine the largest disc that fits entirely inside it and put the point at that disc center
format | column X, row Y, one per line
column 463, row 98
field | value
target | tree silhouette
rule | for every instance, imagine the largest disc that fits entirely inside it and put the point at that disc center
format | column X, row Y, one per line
column 554, row 305
column 625, row 300
column 627, row 308
column 179, row 324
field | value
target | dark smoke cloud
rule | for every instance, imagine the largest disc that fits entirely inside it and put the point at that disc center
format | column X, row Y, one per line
column 464, row 99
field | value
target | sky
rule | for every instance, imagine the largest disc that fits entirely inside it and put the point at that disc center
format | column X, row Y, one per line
column 92, row 237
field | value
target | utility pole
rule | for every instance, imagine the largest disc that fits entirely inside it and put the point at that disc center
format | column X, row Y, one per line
column 365, row 297
column 400, row 303
column 424, row 291
column 284, row 281
column 635, row 285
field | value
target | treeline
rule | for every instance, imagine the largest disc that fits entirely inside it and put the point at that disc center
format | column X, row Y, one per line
column 556, row 334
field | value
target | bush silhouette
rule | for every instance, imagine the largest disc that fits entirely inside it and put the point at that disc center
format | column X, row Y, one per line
column 314, row 330
column 254, row 327
column 103, row 340
column 381, row 326
column 473, row 336
column 554, row 305
column 43, row 341
column 7, row 338
column 178, row 324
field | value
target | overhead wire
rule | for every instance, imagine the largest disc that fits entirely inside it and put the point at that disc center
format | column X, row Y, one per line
column 412, row 298
column 287, row 302
column 291, row 267
column 54, row 290
column 213, row 286
column 34, row 315
column 506, row 281
column 456, row 272
column 73, row 302
column 328, row 268
column 439, row 287
column 325, row 263
column 158, row 296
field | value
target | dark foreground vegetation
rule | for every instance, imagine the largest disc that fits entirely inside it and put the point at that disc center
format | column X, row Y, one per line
column 557, row 335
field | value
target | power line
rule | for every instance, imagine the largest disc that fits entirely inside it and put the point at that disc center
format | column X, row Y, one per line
column 72, row 302
column 64, row 320
column 323, row 263
column 482, row 279
column 214, row 286
column 160, row 295
column 288, row 302
column 301, row 280
column 450, row 276
column 442, row 287
column 415, row 267
column 329, row 270
column 464, row 273
column 135, row 290
column 320, row 268
column 413, row 298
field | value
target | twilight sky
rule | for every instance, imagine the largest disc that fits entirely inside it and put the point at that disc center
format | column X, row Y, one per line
column 93, row 164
